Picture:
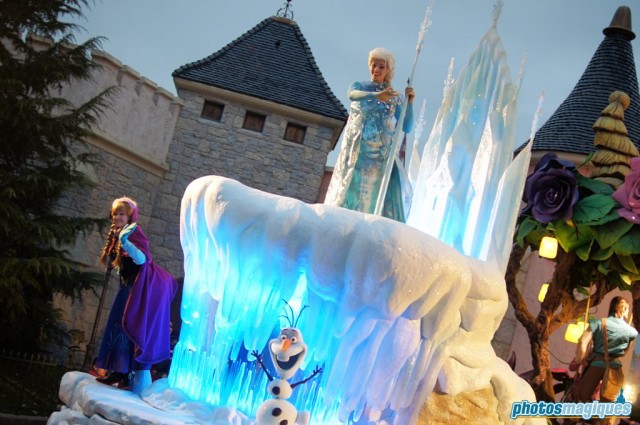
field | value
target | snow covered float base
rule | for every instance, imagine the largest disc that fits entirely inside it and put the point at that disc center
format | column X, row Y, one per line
column 393, row 316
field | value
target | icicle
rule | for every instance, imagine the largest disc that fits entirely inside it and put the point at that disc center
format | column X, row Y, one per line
column 521, row 72
column 395, row 144
column 417, row 147
column 536, row 117
column 421, row 122
column 448, row 83
column 497, row 10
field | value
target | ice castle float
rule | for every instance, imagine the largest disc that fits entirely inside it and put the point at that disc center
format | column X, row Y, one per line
column 396, row 311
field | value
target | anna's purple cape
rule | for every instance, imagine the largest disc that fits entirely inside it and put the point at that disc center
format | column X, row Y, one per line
column 147, row 315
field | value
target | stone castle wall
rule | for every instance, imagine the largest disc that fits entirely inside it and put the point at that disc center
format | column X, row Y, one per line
column 263, row 160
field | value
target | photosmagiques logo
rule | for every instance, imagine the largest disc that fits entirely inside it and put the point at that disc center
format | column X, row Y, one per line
column 583, row 410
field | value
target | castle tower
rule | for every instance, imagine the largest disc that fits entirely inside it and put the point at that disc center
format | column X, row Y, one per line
column 612, row 68
column 257, row 111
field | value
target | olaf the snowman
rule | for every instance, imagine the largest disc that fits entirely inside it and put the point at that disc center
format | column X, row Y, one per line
column 287, row 352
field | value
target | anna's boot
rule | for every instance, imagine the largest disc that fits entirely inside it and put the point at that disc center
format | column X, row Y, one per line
column 141, row 381
column 114, row 378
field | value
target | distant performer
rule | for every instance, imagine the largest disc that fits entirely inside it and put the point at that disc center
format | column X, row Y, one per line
column 368, row 135
column 611, row 337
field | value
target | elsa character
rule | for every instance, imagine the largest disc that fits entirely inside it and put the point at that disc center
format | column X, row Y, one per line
column 368, row 135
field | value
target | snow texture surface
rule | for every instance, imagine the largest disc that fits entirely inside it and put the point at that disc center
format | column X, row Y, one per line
column 394, row 315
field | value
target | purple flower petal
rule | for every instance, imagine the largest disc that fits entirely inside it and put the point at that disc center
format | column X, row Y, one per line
column 551, row 191
column 628, row 195
column 629, row 215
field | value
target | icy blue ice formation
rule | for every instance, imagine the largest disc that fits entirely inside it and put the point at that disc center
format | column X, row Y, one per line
column 468, row 189
column 393, row 312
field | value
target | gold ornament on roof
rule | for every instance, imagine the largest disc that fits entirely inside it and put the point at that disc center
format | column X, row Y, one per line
column 612, row 159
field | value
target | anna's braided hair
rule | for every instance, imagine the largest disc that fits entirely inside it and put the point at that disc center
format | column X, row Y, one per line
column 112, row 246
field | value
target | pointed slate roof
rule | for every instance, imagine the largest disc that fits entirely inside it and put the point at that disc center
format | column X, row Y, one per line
column 272, row 61
column 611, row 68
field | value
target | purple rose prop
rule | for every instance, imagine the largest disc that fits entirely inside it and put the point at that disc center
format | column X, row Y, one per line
column 551, row 160
column 628, row 195
column 551, row 191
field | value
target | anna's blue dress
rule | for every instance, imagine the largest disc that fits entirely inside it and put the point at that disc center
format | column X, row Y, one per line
column 137, row 333
column 367, row 139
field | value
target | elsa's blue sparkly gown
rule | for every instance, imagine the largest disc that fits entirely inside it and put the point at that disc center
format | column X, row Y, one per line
column 367, row 138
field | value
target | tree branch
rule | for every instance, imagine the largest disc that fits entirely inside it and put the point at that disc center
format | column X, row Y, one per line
column 521, row 310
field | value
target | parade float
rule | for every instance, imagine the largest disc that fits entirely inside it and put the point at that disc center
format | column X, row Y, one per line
column 393, row 315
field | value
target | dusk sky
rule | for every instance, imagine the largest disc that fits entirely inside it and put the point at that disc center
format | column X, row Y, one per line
column 557, row 38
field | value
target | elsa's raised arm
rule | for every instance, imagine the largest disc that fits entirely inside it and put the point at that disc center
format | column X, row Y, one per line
column 356, row 93
column 407, row 125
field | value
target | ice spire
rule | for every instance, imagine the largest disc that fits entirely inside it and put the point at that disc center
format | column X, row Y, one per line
column 416, row 148
column 395, row 144
column 468, row 152
column 418, row 145
column 497, row 10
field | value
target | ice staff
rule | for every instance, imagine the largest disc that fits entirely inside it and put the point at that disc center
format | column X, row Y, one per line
column 395, row 145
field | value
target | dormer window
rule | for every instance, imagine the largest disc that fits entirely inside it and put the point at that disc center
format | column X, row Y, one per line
column 254, row 121
column 295, row 133
column 212, row 111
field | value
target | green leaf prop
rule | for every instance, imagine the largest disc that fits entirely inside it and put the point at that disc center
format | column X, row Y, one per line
column 571, row 237
column 583, row 251
column 535, row 236
column 595, row 186
column 603, row 254
column 616, row 278
column 592, row 208
column 611, row 216
column 526, row 227
column 584, row 291
column 607, row 235
column 603, row 268
column 627, row 262
column 628, row 244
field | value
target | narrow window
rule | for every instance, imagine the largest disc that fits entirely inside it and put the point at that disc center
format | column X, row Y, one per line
column 295, row 133
column 212, row 110
column 253, row 121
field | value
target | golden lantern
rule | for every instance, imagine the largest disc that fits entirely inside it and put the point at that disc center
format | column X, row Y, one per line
column 543, row 292
column 548, row 247
column 574, row 331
